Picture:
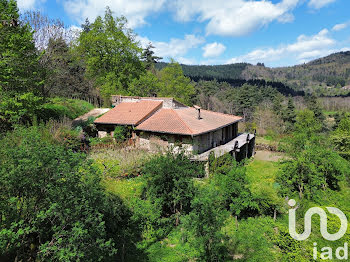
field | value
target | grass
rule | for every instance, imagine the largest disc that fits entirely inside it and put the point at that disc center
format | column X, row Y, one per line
column 262, row 172
column 127, row 189
column 120, row 162
column 63, row 107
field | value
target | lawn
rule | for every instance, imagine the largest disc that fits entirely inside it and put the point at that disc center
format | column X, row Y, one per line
column 127, row 189
column 262, row 172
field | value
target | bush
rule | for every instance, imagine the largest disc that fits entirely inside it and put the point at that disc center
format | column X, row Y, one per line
column 121, row 133
column 52, row 206
column 170, row 183
column 58, row 108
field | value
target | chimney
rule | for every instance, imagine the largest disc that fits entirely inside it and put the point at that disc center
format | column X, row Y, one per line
column 198, row 111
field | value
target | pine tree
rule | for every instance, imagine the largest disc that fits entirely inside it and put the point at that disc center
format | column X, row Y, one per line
column 289, row 115
column 21, row 75
column 314, row 106
column 149, row 58
column 19, row 66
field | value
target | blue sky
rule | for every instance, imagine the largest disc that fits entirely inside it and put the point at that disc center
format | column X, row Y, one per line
column 275, row 32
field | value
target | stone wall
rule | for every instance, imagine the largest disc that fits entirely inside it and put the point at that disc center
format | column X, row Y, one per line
column 168, row 102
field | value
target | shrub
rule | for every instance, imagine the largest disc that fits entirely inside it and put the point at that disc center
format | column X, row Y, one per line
column 121, row 133
column 170, row 183
column 58, row 108
column 52, row 206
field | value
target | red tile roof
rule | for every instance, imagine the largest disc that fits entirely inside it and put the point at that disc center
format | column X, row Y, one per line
column 185, row 121
column 130, row 113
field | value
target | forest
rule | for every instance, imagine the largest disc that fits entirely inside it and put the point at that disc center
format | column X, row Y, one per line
column 67, row 195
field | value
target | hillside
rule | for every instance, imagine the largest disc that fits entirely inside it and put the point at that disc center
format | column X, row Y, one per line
column 325, row 76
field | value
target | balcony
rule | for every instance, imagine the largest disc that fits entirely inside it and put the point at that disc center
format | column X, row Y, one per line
column 242, row 147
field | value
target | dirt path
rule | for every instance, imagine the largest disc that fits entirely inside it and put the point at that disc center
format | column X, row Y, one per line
column 268, row 156
column 94, row 112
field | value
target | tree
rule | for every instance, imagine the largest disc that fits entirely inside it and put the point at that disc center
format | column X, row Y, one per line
column 311, row 166
column 231, row 180
column 146, row 85
column 289, row 115
column 170, row 183
column 149, row 58
column 175, row 84
column 46, row 29
column 86, row 26
column 203, row 226
column 111, row 55
column 20, row 71
column 314, row 106
column 65, row 73
column 341, row 137
column 52, row 206
column 313, row 169
column 277, row 104
column 19, row 67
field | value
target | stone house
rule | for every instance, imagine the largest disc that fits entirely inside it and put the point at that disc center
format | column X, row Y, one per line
column 163, row 122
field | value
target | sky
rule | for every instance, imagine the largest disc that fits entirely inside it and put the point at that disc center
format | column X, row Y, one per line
column 273, row 32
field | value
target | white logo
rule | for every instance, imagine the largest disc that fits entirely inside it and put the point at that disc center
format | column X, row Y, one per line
column 323, row 222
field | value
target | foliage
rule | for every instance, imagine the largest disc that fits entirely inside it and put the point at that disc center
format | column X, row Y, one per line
column 146, row 85
column 314, row 106
column 262, row 183
column 175, row 84
column 289, row 115
column 169, row 183
column 311, row 165
column 20, row 71
column 57, row 108
column 251, row 239
column 52, row 205
column 111, row 54
column 202, row 226
column 121, row 133
column 20, row 109
column 19, row 64
column 64, row 72
column 341, row 138
column 149, row 58
column 233, row 187
column 120, row 162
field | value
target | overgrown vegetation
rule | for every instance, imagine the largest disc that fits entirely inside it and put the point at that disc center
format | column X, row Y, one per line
column 67, row 196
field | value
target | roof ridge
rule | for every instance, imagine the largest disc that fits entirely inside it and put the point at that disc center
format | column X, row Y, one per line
column 220, row 113
column 182, row 121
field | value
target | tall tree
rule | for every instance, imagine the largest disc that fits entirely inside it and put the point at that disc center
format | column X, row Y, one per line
column 289, row 114
column 314, row 106
column 20, row 72
column 341, row 137
column 175, row 84
column 19, row 67
column 111, row 55
column 65, row 73
column 149, row 58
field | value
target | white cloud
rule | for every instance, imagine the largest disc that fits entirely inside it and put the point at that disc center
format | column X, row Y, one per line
column 213, row 49
column 175, row 48
column 25, row 5
column 317, row 4
column 234, row 18
column 135, row 10
column 305, row 48
column 339, row 27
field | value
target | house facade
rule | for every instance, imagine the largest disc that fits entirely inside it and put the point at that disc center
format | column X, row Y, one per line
column 164, row 122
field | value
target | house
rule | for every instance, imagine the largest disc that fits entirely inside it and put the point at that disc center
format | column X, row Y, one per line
column 162, row 122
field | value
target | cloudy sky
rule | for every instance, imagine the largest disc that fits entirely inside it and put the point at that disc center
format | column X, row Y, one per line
column 275, row 32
